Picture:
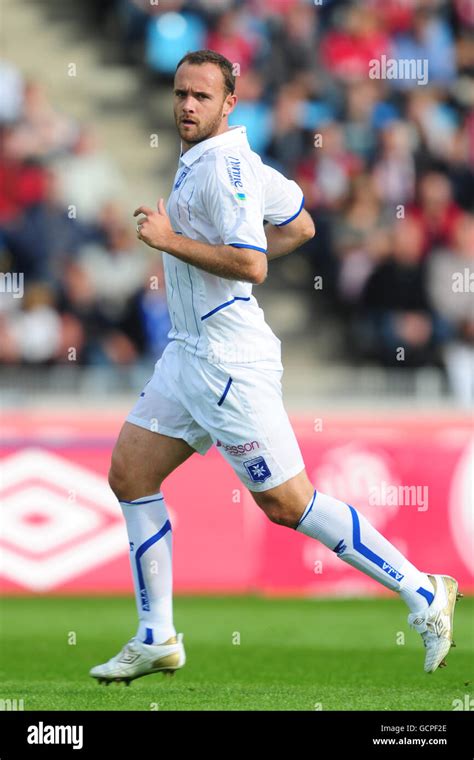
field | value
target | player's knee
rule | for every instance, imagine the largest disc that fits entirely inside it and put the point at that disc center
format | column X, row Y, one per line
column 129, row 480
column 278, row 513
column 119, row 476
column 117, row 480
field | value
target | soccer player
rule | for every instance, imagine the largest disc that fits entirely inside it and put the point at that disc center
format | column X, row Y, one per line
column 218, row 380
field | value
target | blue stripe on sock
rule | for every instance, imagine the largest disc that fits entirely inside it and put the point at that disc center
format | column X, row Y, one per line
column 427, row 594
column 145, row 602
column 366, row 552
column 149, row 636
column 308, row 510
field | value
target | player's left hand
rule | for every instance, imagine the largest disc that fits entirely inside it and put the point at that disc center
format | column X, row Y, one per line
column 155, row 227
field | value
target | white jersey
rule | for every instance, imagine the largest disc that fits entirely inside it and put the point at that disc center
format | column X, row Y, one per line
column 222, row 194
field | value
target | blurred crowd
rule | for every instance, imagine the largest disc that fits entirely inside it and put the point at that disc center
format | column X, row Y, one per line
column 91, row 293
column 386, row 165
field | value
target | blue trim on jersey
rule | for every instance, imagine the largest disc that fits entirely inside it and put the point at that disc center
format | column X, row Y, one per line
column 150, row 501
column 144, row 599
column 223, row 305
column 244, row 245
column 282, row 224
column 226, row 391
column 427, row 594
column 368, row 553
column 307, row 510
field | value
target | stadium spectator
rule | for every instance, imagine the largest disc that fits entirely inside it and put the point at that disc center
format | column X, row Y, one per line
column 430, row 39
column 32, row 332
column 117, row 267
column 394, row 170
column 451, row 287
column 347, row 52
column 326, row 174
column 44, row 236
column 22, row 183
column 42, row 132
column 361, row 237
column 233, row 39
column 436, row 211
column 88, row 177
column 402, row 325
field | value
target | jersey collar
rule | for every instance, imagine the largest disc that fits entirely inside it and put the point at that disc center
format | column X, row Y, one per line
column 234, row 136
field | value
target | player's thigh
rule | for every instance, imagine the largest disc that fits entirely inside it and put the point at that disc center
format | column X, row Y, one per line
column 142, row 459
column 245, row 416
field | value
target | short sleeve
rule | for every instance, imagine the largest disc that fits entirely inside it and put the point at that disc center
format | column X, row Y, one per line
column 234, row 203
column 284, row 199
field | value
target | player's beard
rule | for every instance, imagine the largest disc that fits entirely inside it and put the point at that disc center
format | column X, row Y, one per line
column 201, row 132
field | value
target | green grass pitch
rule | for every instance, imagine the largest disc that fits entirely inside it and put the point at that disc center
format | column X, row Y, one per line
column 294, row 654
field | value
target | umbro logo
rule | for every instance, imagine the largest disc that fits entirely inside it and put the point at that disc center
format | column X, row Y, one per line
column 129, row 657
column 439, row 626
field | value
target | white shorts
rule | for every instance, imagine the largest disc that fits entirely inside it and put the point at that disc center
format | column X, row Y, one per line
column 237, row 407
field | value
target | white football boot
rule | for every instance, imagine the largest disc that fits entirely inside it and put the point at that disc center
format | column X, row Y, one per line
column 137, row 659
column 435, row 624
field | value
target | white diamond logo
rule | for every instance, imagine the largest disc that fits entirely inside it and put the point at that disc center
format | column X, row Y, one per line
column 42, row 520
column 59, row 520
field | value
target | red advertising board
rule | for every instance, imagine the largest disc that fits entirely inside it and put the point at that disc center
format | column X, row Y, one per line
column 63, row 532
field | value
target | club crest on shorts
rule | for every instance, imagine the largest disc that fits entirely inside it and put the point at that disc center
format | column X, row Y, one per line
column 257, row 469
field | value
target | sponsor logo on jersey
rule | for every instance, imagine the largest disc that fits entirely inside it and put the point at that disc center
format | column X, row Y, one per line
column 257, row 469
column 238, row 449
column 233, row 170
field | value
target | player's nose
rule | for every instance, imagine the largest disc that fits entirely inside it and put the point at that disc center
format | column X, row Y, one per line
column 188, row 103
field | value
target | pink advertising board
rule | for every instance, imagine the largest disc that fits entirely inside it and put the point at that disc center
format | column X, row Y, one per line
column 410, row 474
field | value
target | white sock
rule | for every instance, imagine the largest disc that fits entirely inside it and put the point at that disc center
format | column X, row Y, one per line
column 348, row 533
column 150, row 537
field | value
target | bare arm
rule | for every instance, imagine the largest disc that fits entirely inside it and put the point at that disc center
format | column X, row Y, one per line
column 286, row 239
column 222, row 260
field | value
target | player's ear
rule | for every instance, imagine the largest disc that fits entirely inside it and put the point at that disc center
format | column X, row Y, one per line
column 229, row 105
